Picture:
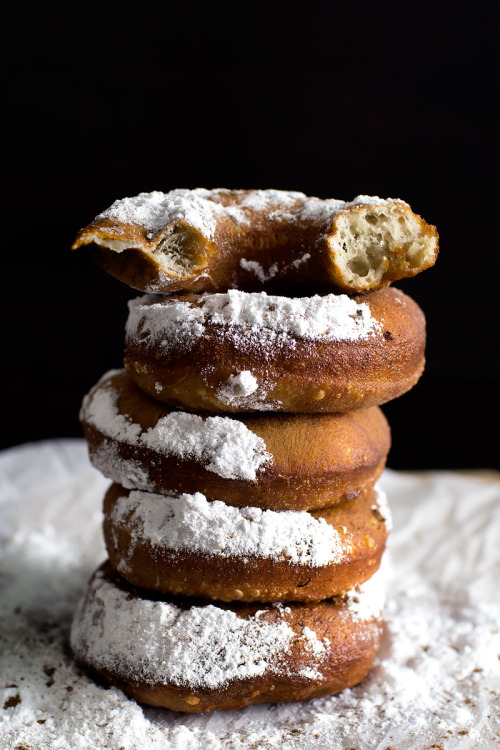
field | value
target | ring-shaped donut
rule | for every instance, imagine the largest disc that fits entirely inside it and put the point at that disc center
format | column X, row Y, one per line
column 190, row 656
column 241, row 352
column 274, row 461
column 214, row 240
column 189, row 546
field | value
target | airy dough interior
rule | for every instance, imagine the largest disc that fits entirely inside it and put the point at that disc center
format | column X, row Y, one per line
column 182, row 251
column 380, row 242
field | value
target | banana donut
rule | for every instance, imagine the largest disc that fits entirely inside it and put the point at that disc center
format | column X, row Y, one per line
column 272, row 461
column 251, row 352
column 189, row 656
column 213, row 240
column 187, row 545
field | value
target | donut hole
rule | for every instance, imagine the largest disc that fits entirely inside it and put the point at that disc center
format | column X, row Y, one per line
column 182, row 251
column 372, row 245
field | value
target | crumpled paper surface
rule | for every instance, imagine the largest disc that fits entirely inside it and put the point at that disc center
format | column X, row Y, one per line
column 435, row 683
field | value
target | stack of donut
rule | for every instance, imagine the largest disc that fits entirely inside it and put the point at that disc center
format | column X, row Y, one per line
column 244, row 440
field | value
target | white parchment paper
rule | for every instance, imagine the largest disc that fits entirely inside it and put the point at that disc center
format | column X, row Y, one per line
column 435, row 684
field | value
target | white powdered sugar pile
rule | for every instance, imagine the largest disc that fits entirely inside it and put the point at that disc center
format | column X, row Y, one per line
column 244, row 391
column 223, row 445
column 174, row 322
column 203, row 646
column 238, row 387
column 192, row 523
column 435, row 683
column 367, row 600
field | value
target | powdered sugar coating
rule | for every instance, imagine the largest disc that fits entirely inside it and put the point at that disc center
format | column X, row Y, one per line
column 194, row 524
column 128, row 472
column 223, row 445
column 199, row 647
column 100, row 409
column 200, row 208
column 382, row 505
column 155, row 211
column 175, row 322
column 366, row 601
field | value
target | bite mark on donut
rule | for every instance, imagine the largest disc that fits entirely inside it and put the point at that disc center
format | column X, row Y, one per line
column 183, row 251
column 374, row 245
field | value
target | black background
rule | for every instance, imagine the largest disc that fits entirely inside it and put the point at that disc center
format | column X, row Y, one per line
column 330, row 99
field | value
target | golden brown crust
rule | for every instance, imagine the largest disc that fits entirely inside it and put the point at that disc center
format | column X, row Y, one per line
column 251, row 240
column 351, row 659
column 362, row 533
column 351, row 643
column 318, row 459
column 303, row 376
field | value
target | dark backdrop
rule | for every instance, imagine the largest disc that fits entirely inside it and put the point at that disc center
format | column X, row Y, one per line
column 330, row 99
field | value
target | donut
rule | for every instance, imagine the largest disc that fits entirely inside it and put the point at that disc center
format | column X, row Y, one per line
column 213, row 240
column 272, row 461
column 197, row 656
column 190, row 546
column 251, row 352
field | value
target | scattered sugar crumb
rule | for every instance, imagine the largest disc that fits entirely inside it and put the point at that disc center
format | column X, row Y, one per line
column 256, row 268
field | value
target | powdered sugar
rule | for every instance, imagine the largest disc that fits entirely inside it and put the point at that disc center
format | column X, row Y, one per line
column 367, row 600
column 382, row 506
column 223, row 445
column 238, row 386
column 101, row 411
column 192, row 523
column 326, row 210
column 156, row 212
column 203, row 646
column 266, row 200
column 131, row 474
column 176, row 322
column 437, row 681
column 244, row 391
column 254, row 267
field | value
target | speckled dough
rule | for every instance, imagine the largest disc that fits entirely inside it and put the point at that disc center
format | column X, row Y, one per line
column 192, row 657
column 316, row 460
column 191, row 365
column 187, row 546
